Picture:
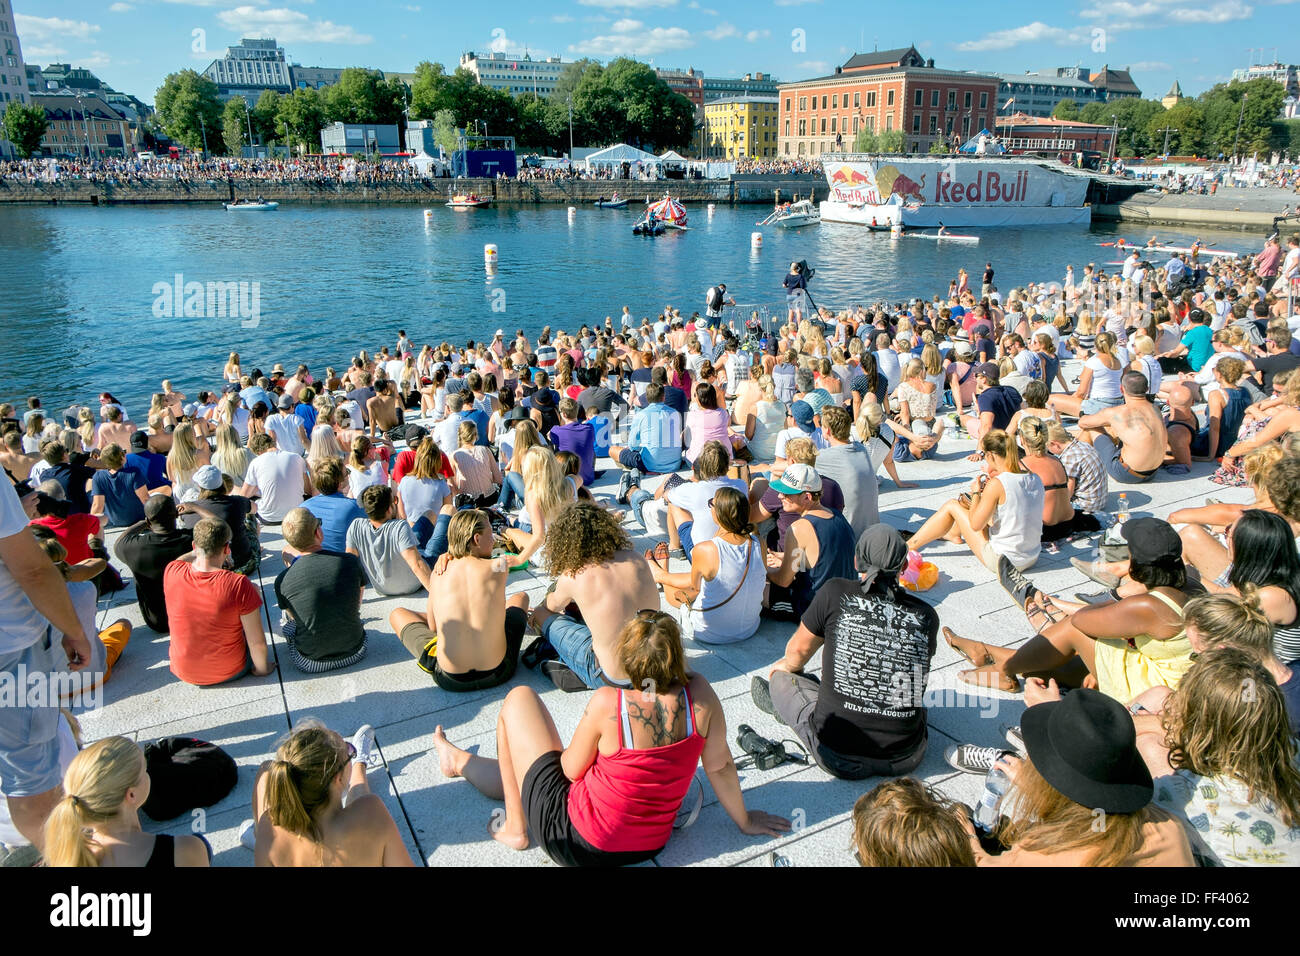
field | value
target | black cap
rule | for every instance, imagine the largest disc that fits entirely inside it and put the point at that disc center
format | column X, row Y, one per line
column 140, row 440
column 1151, row 540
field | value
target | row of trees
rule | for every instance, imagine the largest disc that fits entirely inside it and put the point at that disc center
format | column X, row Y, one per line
column 622, row 102
column 1204, row 126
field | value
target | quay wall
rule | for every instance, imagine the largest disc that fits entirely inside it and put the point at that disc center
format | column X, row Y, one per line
column 744, row 189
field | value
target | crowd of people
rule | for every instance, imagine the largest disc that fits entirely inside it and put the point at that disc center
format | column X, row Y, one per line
column 432, row 471
column 191, row 169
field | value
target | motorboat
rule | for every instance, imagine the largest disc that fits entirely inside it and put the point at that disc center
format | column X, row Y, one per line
column 249, row 205
column 792, row 215
column 612, row 203
column 468, row 201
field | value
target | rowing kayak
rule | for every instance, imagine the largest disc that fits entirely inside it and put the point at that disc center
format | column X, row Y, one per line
column 946, row 237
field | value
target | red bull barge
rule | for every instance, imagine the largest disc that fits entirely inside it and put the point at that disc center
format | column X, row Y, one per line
column 923, row 192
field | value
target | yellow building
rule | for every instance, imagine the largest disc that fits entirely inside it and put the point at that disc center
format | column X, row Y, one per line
column 737, row 127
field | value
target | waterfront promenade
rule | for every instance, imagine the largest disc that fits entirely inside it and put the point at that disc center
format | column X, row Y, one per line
column 444, row 822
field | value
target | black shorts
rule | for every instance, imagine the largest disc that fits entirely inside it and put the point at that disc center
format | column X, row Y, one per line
column 422, row 643
column 545, row 795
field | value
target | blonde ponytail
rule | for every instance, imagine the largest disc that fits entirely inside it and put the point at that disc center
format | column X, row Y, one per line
column 94, row 787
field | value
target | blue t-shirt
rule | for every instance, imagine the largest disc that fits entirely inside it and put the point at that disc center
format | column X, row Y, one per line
column 122, row 506
column 1200, row 345
column 657, row 434
column 476, row 416
column 579, row 438
column 335, row 512
column 151, row 466
column 1002, row 400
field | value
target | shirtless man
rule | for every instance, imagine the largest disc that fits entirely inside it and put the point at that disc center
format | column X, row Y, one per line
column 594, row 566
column 1130, row 438
column 1182, row 425
column 469, row 638
column 12, row 458
column 382, row 410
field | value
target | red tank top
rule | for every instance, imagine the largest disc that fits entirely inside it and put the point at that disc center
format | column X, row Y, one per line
column 628, row 801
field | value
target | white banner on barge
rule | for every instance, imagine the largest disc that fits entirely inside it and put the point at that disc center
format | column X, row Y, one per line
column 957, row 191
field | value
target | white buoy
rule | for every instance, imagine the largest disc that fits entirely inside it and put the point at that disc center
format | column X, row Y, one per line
column 711, row 208
column 896, row 231
column 490, row 255
column 755, row 238
column 573, row 210
column 428, row 215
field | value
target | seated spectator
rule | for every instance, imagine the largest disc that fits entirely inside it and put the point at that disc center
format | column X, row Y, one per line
column 363, row 466
column 477, row 473
column 387, row 546
column 767, row 504
column 1082, row 757
column 847, row 464
column 612, row 797
column 906, row 823
column 320, row 595
column 1130, row 435
column 277, row 480
column 335, row 510
column 216, row 501
column 853, row 725
column 1060, row 520
column 1224, row 761
column 423, row 491
column 107, row 644
column 1085, row 475
column 469, row 635
column 215, row 615
column 728, row 571
column 147, row 548
column 1225, row 408
column 995, row 404
column 818, row 546
column 591, row 559
column 655, row 440
column 287, row 428
column 80, row 533
column 546, row 491
column 231, row 456
column 97, row 820
column 688, row 511
column 71, row 472
column 801, row 423
column 118, row 492
column 575, row 436
column 312, row 805
column 151, row 466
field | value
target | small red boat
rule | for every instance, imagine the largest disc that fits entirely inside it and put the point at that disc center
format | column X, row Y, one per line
column 468, row 201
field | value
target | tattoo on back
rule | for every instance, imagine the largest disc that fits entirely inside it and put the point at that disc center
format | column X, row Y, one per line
column 659, row 720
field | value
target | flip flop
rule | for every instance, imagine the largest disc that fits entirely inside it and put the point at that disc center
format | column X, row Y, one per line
column 973, row 677
column 1034, row 604
column 950, row 636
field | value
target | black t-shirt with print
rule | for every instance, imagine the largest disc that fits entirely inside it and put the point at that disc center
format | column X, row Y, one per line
column 875, row 665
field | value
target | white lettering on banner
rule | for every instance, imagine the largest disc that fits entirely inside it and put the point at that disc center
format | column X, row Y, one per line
column 75, row 909
column 951, row 183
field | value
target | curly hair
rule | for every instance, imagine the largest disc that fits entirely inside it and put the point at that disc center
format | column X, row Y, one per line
column 582, row 535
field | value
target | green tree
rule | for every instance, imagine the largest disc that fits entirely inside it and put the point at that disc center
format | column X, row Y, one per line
column 1133, row 117
column 265, row 123
column 938, row 146
column 429, row 90
column 444, row 131
column 234, row 125
column 304, row 114
column 1224, row 110
column 1067, row 109
column 364, row 96
column 187, row 105
column 533, row 128
column 25, row 127
column 1186, row 120
column 1286, row 137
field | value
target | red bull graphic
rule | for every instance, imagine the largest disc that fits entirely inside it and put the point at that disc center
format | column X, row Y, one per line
column 892, row 182
column 985, row 187
column 853, row 183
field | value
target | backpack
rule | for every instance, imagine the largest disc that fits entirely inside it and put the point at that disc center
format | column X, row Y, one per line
column 186, row 773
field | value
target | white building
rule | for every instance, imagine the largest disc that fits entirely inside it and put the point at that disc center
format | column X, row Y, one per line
column 13, row 74
column 1287, row 75
column 248, row 69
column 514, row 73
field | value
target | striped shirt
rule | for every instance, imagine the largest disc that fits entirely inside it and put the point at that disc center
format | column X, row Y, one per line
column 1083, row 464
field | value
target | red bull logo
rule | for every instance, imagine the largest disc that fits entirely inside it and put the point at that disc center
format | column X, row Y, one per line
column 892, row 182
column 987, row 187
column 848, row 176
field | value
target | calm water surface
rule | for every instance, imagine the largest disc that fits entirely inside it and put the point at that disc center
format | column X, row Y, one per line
column 78, row 299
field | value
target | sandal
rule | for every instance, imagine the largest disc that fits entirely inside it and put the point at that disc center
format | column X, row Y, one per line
column 1040, row 604
column 979, row 677
column 658, row 555
column 952, row 640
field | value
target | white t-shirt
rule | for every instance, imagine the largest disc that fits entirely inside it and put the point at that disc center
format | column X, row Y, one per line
column 737, row 364
column 1105, row 381
column 287, row 430
column 394, row 369
column 354, row 412
column 20, row 624
column 794, row 431
column 693, row 496
column 359, row 481
column 278, row 477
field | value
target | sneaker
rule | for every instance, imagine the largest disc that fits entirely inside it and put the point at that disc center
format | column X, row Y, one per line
column 689, row 811
column 1095, row 573
column 969, row 758
column 624, row 486
column 1101, row 597
column 363, row 740
column 761, row 691
column 248, row 835
column 1014, row 737
column 563, row 678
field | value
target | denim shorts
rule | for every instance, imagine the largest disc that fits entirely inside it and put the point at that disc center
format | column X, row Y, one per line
column 571, row 639
column 1091, row 406
column 29, row 744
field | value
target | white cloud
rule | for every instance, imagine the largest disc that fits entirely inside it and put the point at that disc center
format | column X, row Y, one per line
column 43, row 28
column 34, row 53
column 289, row 26
column 627, row 26
column 413, row 7
column 753, row 35
column 210, row 3
column 120, row 8
column 815, row 67
column 1216, row 13
column 1162, row 12
column 1035, row 32
column 1150, row 66
column 630, row 4
column 97, row 59
column 722, row 31
column 636, row 41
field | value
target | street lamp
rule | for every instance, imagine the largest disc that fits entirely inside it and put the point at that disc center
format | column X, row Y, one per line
column 1240, row 116
column 204, row 128
column 85, row 124
column 570, row 98
column 248, row 116
column 1114, row 135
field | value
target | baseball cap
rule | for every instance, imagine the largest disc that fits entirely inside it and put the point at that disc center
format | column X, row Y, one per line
column 989, row 371
column 500, row 332
column 1151, row 540
column 798, row 478
column 208, row 478
column 139, row 440
column 189, row 410
column 285, row 401
column 802, row 414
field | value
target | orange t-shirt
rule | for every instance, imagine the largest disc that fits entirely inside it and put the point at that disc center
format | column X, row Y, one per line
column 204, row 610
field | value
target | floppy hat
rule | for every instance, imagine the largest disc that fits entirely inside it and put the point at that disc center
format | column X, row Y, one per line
column 208, row 478
column 1151, row 540
column 796, row 479
column 516, row 414
column 802, row 414
column 1085, row 746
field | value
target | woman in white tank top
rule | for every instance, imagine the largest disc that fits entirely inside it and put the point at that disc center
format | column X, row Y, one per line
column 725, row 584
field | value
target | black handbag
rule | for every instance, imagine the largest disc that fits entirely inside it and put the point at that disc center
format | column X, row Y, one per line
column 186, row 773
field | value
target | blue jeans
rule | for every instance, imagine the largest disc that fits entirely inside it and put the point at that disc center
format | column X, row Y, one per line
column 512, row 492
column 684, row 533
column 430, row 537
column 29, row 743
column 572, row 641
column 637, row 501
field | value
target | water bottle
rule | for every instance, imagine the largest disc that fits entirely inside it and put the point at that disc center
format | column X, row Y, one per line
column 1121, row 513
column 995, row 785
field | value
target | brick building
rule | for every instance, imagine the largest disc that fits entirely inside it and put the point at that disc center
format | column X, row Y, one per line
column 689, row 83
column 881, row 91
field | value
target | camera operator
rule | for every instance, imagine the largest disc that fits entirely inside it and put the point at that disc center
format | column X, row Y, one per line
column 796, row 284
column 714, row 300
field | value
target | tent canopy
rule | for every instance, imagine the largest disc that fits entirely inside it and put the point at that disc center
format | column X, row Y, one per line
column 621, row 153
column 672, row 156
column 972, row 144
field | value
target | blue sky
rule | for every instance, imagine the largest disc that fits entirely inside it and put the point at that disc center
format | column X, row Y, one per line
column 133, row 44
